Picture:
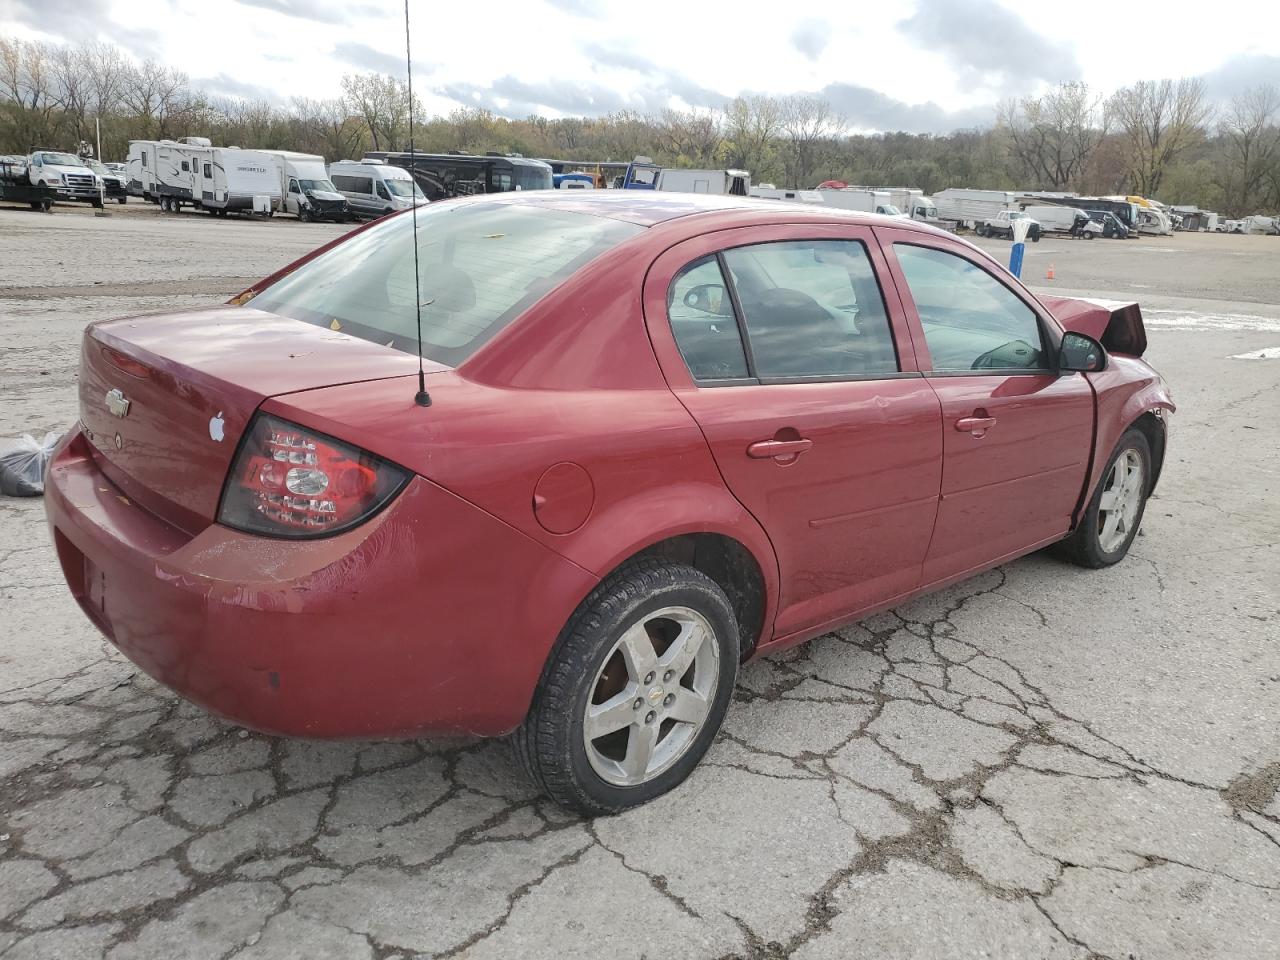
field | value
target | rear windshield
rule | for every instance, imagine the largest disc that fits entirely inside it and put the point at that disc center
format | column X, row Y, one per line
column 480, row 267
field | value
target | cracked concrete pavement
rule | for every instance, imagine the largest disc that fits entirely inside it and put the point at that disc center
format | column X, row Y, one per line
column 1041, row 762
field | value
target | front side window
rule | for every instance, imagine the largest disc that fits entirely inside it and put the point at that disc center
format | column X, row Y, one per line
column 812, row 308
column 382, row 191
column 971, row 320
column 480, row 267
column 704, row 324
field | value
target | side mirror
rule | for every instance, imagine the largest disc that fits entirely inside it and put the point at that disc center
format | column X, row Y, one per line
column 1081, row 354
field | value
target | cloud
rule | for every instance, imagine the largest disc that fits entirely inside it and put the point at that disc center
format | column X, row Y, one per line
column 867, row 109
column 321, row 11
column 367, row 58
column 987, row 43
column 1243, row 73
column 811, row 38
column 602, row 55
column 581, row 8
column 226, row 86
column 69, row 19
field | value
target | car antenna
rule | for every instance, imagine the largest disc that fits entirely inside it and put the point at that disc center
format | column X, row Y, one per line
column 422, row 398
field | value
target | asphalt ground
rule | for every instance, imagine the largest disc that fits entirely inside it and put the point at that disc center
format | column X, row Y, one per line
column 1040, row 762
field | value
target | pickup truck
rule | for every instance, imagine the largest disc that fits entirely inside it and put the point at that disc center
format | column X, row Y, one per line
column 1001, row 225
column 66, row 174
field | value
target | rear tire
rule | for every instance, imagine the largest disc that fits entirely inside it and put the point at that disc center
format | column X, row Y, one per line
column 657, row 640
column 1114, row 514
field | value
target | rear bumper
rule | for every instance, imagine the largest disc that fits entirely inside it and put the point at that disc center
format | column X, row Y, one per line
column 432, row 618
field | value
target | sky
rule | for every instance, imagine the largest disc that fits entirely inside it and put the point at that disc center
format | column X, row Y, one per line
column 917, row 65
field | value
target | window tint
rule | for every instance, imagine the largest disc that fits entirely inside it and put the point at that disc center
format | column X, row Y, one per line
column 382, row 191
column 812, row 309
column 704, row 324
column 971, row 320
column 186, row 167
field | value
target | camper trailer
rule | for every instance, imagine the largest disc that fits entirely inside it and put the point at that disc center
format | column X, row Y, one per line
column 190, row 172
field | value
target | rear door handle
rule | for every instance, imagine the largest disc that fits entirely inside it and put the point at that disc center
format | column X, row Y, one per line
column 975, row 425
column 786, row 450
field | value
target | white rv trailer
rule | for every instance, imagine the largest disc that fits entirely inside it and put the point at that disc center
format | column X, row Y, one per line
column 732, row 182
column 219, row 179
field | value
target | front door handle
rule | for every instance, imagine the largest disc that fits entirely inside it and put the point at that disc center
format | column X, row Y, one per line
column 975, row 425
column 783, row 451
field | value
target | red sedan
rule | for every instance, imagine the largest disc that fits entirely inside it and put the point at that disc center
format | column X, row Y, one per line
column 661, row 434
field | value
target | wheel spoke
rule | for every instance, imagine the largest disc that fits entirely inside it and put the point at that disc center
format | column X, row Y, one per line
column 1107, row 535
column 637, row 651
column 689, row 706
column 684, row 648
column 614, row 714
column 1109, row 500
column 640, row 750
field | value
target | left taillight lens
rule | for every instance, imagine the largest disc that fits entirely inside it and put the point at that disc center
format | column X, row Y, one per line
column 289, row 481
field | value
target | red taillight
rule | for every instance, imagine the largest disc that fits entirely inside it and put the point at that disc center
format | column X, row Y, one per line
column 288, row 481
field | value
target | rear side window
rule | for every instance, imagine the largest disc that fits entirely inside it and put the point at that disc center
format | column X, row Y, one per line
column 481, row 266
column 971, row 320
column 703, row 322
column 812, row 308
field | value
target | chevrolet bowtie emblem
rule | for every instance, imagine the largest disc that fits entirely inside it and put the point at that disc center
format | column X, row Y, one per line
column 117, row 403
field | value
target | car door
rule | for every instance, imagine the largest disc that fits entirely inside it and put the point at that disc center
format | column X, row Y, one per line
column 797, row 365
column 1017, row 435
column 293, row 200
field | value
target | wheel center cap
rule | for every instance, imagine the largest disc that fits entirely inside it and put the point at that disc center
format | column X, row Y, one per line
column 655, row 695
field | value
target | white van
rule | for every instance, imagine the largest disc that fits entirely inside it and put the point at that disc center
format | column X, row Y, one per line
column 374, row 188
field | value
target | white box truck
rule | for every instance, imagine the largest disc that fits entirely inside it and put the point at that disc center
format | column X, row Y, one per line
column 731, row 182
column 305, row 188
column 967, row 208
column 796, row 196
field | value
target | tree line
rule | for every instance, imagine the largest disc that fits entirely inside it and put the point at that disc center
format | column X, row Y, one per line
column 1163, row 139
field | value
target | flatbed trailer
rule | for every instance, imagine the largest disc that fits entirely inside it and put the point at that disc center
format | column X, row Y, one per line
column 20, row 191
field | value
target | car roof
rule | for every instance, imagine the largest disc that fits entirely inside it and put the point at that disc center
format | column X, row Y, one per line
column 648, row 208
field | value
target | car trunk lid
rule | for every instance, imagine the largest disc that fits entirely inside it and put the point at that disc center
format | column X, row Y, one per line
column 164, row 399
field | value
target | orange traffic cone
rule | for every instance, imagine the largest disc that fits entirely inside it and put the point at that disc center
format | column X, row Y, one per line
column 1049, row 275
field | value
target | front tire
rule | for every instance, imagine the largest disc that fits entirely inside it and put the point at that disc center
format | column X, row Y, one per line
column 634, row 692
column 1114, row 514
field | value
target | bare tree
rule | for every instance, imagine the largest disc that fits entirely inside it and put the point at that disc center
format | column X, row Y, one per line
column 752, row 125
column 691, row 137
column 1053, row 137
column 1159, row 120
column 156, row 95
column 804, row 121
column 26, row 79
column 1252, row 138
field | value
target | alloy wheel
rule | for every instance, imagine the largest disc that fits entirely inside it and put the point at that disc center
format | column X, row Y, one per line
column 1121, row 500
column 651, row 697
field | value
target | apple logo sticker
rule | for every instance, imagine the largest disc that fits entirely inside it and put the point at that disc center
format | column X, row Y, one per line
column 215, row 427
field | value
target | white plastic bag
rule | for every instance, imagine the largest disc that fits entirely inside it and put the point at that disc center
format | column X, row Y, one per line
column 23, row 463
